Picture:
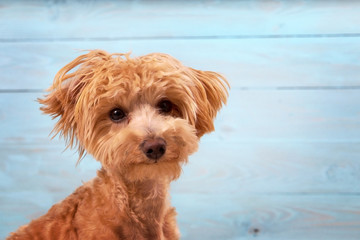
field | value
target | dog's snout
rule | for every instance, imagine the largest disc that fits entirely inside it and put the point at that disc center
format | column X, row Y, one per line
column 154, row 148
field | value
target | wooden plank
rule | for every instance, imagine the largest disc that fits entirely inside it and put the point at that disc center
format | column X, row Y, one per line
column 250, row 116
column 43, row 20
column 273, row 168
column 248, row 64
column 290, row 116
column 268, row 217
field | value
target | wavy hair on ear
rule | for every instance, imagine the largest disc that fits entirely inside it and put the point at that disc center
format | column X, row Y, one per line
column 63, row 95
column 211, row 92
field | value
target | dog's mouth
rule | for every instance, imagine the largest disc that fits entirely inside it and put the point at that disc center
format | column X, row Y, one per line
column 150, row 162
column 164, row 159
column 156, row 161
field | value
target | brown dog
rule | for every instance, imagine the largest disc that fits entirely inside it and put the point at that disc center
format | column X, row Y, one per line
column 141, row 118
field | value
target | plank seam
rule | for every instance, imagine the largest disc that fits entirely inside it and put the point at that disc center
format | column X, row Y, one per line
column 280, row 88
column 213, row 37
column 21, row 91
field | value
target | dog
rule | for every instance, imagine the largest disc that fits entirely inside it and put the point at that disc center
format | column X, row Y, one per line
column 140, row 118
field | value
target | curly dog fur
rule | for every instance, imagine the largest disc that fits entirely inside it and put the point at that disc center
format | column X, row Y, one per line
column 141, row 118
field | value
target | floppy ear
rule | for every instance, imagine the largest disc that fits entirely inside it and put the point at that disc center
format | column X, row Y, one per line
column 211, row 93
column 65, row 92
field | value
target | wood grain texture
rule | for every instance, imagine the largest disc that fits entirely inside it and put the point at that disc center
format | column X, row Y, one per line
column 82, row 21
column 269, row 217
column 260, row 64
column 290, row 116
column 284, row 161
column 273, row 168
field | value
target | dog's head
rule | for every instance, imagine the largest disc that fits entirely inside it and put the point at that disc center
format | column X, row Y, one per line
column 141, row 117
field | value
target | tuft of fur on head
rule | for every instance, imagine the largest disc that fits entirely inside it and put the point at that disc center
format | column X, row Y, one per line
column 88, row 88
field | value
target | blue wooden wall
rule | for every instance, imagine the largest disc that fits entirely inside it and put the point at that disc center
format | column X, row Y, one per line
column 284, row 162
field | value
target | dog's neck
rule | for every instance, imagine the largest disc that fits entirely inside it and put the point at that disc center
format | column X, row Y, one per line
column 146, row 199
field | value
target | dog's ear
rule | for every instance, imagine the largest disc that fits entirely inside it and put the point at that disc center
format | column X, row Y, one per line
column 211, row 93
column 63, row 97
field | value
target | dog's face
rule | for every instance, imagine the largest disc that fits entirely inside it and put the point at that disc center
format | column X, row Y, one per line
column 139, row 117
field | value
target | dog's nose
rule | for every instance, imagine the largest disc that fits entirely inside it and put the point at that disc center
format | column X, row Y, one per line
column 154, row 148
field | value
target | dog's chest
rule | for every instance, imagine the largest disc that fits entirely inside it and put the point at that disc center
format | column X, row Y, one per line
column 148, row 204
column 149, row 200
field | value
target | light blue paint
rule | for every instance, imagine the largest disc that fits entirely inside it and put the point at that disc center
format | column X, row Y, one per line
column 284, row 160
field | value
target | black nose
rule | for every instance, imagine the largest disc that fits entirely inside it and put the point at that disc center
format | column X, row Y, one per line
column 154, row 148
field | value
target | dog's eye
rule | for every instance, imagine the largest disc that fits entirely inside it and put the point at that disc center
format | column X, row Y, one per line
column 165, row 106
column 116, row 115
